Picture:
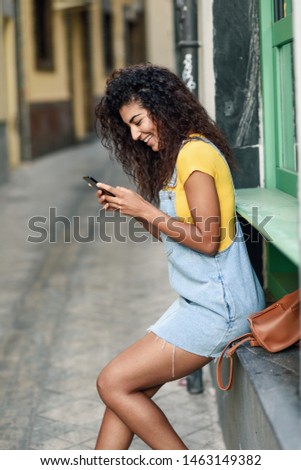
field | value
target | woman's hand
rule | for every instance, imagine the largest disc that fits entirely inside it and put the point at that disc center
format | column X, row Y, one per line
column 125, row 200
column 129, row 202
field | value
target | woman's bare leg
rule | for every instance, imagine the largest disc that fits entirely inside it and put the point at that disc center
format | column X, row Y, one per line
column 113, row 433
column 122, row 385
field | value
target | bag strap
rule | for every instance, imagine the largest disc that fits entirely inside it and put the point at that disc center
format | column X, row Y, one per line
column 295, row 304
column 229, row 350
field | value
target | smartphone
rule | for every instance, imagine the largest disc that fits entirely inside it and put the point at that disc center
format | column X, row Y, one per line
column 93, row 182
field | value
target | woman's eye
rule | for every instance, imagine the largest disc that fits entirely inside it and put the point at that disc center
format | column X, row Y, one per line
column 138, row 123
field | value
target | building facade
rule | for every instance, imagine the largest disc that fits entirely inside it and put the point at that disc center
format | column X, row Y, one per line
column 55, row 58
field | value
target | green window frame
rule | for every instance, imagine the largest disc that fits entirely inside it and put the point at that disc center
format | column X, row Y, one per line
column 280, row 146
column 279, row 129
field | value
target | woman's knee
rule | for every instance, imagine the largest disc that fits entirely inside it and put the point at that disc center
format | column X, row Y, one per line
column 108, row 384
column 111, row 384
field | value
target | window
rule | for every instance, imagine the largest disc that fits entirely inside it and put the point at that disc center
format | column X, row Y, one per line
column 134, row 33
column 279, row 95
column 43, row 34
column 280, row 145
column 107, row 30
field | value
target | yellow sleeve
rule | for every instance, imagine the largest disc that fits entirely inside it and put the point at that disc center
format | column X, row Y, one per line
column 196, row 155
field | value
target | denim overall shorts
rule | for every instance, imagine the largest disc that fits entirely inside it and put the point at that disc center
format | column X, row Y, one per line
column 216, row 293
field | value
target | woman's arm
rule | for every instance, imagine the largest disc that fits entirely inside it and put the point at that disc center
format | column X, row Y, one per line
column 203, row 235
column 154, row 231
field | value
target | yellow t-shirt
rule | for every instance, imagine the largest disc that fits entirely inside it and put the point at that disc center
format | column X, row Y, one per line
column 197, row 155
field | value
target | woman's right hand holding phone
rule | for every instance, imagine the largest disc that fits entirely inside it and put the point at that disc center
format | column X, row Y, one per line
column 125, row 200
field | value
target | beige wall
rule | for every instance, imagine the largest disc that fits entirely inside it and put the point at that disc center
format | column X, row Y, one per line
column 160, row 32
column 119, row 52
column 2, row 73
column 45, row 85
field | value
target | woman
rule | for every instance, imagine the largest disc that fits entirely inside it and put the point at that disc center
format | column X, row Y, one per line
column 175, row 153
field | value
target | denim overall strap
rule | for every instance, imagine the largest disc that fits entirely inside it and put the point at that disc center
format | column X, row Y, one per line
column 173, row 180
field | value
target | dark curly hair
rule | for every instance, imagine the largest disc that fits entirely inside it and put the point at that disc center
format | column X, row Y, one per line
column 176, row 112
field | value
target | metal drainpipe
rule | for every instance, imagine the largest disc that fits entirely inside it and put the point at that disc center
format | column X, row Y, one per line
column 24, row 118
column 187, row 44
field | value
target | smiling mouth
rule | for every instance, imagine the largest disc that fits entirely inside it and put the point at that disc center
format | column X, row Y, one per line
column 147, row 140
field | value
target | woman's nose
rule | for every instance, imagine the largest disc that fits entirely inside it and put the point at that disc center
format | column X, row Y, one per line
column 135, row 133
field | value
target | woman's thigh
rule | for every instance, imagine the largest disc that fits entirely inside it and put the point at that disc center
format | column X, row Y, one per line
column 149, row 362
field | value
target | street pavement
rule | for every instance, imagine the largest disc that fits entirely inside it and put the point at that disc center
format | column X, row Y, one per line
column 77, row 287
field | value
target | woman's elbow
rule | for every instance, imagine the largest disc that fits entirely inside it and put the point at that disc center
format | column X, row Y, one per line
column 213, row 250
column 211, row 246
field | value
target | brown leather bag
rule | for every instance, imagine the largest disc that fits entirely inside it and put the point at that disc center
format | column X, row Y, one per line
column 275, row 328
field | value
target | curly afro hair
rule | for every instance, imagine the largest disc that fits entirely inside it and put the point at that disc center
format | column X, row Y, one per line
column 176, row 112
